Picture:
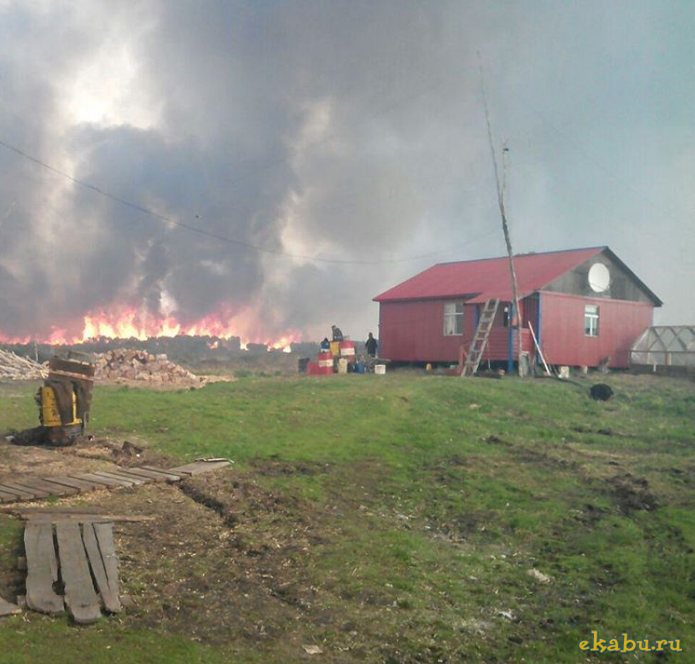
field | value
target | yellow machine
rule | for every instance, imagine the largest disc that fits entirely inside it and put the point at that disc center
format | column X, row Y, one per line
column 65, row 398
column 50, row 415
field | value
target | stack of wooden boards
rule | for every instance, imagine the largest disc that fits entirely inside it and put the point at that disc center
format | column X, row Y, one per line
column 75, row 553
column 28, row 487
column 15, row 367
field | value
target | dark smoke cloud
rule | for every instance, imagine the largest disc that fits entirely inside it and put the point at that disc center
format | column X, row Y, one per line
column 348, row 129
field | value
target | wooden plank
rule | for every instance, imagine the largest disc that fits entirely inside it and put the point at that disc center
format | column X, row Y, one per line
column 198, row 467
column 7, row 497
column 62, row 509
column 146, row 474
column 81, row 599
column 85, row 485
column 8, row 609
column 31, row 492
column 42, row 569
column 119, row 474
column 11, row 487
column 100, row 479
column 104, row 535
column 20, row 495
column 65, row 481
column 87, row 518
column 51, row 489
column 174, row 477
column 138, row 479
column 123, row 481
column 109, row 593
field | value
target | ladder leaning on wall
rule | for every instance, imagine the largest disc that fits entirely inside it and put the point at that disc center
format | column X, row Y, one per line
column 479, row 342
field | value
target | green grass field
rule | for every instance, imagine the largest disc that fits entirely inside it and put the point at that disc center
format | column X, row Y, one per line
column 394, row 519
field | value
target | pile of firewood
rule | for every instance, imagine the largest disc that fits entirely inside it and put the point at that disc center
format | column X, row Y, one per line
column 15, row 367
column 125, row 365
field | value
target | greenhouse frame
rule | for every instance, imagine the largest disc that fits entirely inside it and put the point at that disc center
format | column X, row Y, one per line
column 663, row 347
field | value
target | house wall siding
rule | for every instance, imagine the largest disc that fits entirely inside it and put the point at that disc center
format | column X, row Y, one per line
column 414, row 332
column 562, row 334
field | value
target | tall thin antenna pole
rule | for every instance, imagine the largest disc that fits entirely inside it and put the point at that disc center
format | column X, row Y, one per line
column 516, row 323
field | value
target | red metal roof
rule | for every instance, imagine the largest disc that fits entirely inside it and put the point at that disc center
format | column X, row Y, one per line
column 483, row 279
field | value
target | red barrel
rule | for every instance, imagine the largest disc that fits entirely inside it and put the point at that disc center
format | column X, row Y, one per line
column 347, row 350
column 325, row 363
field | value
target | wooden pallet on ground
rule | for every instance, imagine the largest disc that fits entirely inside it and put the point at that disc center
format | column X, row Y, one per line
column 77, row 554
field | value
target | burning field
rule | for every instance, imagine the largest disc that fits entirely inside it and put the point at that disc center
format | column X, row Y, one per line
column 128, row 323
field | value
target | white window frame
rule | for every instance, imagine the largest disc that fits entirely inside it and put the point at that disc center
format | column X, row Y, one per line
column 591, row 320
column 453, row 319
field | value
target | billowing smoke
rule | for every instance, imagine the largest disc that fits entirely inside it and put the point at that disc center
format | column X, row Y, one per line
column 346, row 130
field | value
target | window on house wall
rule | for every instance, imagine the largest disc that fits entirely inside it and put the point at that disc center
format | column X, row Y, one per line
column 591, row 320
column 505, row 316
column 453, row 318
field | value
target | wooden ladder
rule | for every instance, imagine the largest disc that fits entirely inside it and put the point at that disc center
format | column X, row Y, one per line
column 482, row 332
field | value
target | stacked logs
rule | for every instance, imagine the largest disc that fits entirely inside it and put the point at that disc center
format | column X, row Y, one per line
column 121, row 365
column 15, row 367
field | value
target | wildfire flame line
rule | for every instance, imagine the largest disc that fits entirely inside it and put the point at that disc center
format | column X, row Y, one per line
column 132, row 324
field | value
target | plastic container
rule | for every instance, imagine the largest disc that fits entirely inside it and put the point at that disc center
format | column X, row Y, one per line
column 380, row 369
column 342, row 366
column 335, row 348
column 359, row 368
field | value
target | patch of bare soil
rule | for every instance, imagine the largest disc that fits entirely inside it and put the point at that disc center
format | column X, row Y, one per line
column 273, row 467
column 257, row 584
column 631, row 493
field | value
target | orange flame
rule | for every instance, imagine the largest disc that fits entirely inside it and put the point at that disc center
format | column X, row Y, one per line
column 130, row 323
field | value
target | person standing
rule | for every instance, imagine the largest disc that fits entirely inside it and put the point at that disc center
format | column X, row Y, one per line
column 371, row 345
column 337, row 333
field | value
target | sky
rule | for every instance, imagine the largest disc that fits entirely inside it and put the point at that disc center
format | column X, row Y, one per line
column 278, row 163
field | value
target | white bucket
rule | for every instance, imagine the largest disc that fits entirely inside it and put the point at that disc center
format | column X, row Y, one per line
column 380, row 369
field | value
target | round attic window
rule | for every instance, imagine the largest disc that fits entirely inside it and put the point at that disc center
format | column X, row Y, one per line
column 599, row 278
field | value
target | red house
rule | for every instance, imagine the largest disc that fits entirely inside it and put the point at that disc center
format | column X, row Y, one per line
column 584, row 305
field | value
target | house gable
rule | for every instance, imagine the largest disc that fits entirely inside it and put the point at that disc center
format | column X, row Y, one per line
column 623, row 284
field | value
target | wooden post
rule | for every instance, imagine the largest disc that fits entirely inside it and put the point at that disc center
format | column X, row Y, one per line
column 516, row 322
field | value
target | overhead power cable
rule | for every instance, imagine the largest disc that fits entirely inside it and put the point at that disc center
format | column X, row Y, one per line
column 223, row 238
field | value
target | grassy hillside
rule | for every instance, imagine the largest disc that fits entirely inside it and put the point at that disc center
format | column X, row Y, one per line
column 393, row 519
